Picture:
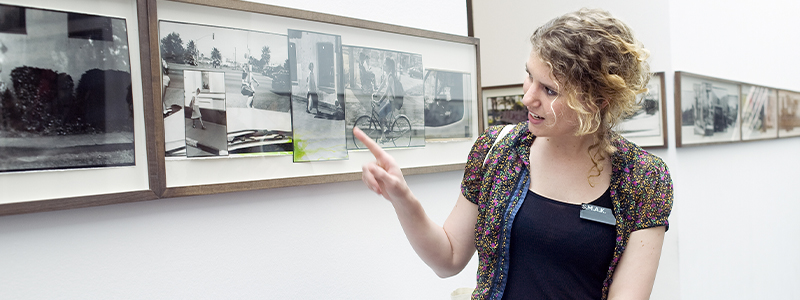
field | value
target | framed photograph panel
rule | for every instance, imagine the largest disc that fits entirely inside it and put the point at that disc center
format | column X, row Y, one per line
column 73, row 127
column 759, row 111
column 788, row 114
column 310, row 51
column 706, row 110
column 647, row 126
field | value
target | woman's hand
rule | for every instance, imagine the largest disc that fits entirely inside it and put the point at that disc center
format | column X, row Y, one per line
column 382, row 176
column 446, row 249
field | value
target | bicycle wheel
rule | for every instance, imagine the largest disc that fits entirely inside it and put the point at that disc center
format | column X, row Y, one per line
column 368, row 126
column 400, row 133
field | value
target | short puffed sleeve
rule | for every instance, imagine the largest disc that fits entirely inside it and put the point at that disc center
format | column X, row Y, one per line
column 473, row 171
column 654, row 203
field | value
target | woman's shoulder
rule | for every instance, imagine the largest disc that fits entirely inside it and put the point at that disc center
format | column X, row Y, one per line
column 635, row 169
column 629, row 153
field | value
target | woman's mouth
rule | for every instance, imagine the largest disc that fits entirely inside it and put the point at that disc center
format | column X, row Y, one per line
column 535, row 116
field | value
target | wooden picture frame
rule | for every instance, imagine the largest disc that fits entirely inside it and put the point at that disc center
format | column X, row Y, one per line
column 197, row 176
column 718, row 121
column 51, row 189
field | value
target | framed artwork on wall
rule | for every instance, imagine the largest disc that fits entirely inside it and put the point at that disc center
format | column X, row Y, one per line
column 788, row 114
column 759, row 111
column 503, row 105
column 647, row 126
column 318, row 72
column 706, row 110
column 73, row 127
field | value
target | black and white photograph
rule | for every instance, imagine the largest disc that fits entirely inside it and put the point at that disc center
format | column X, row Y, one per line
column 759, row 113
column 789, row 114
column 204, row 113
column 709, row 110
column 383, row 97
column 318, row 112
column 646, row 126
column 448, row 102
column 65, row 90
column 254, row 66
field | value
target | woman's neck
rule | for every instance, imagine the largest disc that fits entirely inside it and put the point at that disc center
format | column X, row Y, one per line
column 564, row 146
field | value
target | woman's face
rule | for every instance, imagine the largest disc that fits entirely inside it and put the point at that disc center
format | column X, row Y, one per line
column 548, row 115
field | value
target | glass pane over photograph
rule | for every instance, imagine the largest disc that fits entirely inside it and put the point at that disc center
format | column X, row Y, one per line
column 318, row 117
column 65, row 90
column 448, row 102
column 383, row 96
column 759, row 112
column 246, row 111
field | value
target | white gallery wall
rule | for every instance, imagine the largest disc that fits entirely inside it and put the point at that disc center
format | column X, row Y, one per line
column 328, row 241
column 734, row 229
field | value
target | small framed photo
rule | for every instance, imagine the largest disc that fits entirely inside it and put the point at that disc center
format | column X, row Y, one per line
column 788, row 114
column 759, row 111
column 503, row 105
column 647, row 126
column 706, row 110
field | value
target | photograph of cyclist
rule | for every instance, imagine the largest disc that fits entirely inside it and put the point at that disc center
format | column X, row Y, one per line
column 385, row 99
column 383, row 96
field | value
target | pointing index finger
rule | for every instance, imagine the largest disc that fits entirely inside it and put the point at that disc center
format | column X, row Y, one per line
column 373, row 147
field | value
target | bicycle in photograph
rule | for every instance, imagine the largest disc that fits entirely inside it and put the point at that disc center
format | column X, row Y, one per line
column 396, row 134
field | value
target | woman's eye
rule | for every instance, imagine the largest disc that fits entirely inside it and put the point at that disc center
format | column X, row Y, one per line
column 550, row 92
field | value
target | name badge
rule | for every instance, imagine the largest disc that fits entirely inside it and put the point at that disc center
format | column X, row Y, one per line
column 598, row 214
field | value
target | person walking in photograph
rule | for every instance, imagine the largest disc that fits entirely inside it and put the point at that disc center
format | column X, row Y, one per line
column 558, row 206
column 247, row 84
column 196, row 115
column 313, row 96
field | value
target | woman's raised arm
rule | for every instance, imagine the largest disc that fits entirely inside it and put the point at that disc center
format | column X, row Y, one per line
column 446, row 249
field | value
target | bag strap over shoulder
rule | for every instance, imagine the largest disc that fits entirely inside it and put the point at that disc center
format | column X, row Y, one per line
column 506, row 129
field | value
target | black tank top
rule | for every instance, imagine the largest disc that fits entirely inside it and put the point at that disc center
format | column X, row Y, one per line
column 554, row 254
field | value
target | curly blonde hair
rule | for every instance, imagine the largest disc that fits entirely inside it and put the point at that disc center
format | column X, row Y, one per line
column 600, row 68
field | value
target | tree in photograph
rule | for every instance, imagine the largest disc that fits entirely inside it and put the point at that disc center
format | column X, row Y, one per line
column 265, row 56
column 172, row 48
column 190, row 55
column 216, row 57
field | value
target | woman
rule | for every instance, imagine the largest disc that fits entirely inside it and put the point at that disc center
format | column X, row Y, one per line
column 247, row 84
column 583, row 75
column 196, row 110
column 313, row 94
column 385, row 100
